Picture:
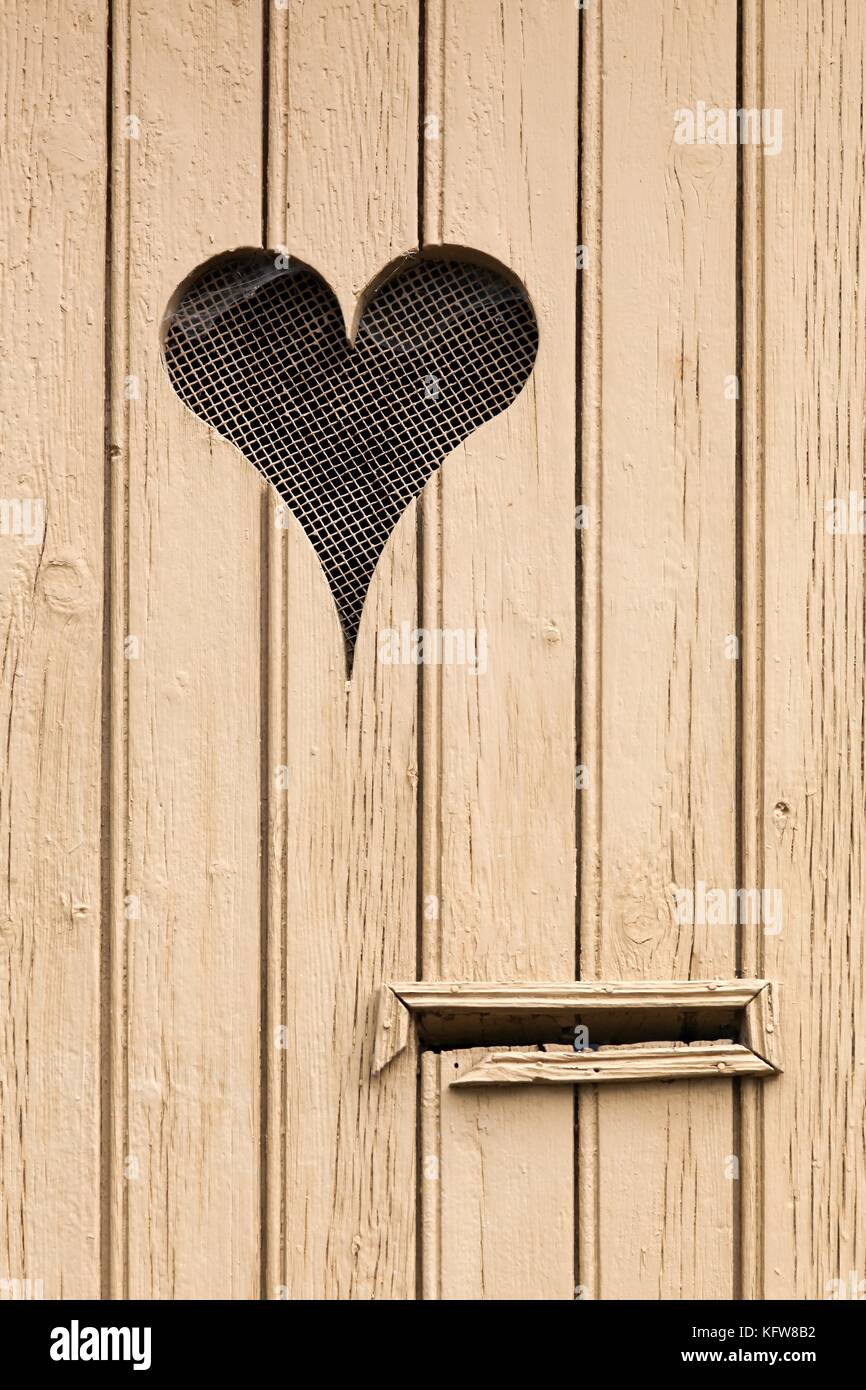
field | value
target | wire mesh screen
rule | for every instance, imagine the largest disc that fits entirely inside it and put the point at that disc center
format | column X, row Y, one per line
column 348, row 436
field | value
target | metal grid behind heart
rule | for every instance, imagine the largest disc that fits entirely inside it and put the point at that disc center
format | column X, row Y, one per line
column 348, row 436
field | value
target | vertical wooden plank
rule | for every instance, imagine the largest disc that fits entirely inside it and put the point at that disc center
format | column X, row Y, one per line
column 753, row 606
column 344, row 135
column 805, row 362
column 52, row 234
column 499, row 557
column 659, row 688
column 342, row 836
column 507, row 545
column 186, row 963
column 506, row 1215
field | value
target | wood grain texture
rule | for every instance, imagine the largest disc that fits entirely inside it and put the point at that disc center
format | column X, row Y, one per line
column 503, row 182
column 392, row 1028
column 217, row 855
column 464, row 1014
column 345, row 137
column 340, row 1145
column 53, row 184
column 185, row 1154
column 498, row 555
column 495, row 1203
column 805, row 241
column 628, row 1064
column 761, row 1030
column 658, row 688
column 465, row 996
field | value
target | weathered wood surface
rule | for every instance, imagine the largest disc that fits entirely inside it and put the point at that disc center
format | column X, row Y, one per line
column 342, row 838
column 185, row 646
column 803, row 793
column 217, row 855
column 630, row 1063
column 465, row 996
column 498, row 555
column 761, row 1031
column 497, row 1222
column 53, row 188
column 658, row 691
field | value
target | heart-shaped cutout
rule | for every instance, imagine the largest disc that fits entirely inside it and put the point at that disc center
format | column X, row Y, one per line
column 349, row 434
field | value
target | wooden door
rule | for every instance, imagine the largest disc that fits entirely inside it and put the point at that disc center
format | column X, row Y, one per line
column 259, row 913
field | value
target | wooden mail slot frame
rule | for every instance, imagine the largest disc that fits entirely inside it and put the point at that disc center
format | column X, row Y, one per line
column 638, row 1029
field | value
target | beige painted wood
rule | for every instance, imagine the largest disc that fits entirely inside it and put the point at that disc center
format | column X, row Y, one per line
column 184, row 1161
column 761, row 1030
column 633, row 1062
column 498, row 553
column 659, row 566
column 52, row 233
column 805, row 243
column 751, row 272
column 210, row 839
column 392, row 1028
column 461, row 1014
column 340, row 1141
column 466, row 996
column 344, row 137
column 497, row 1218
